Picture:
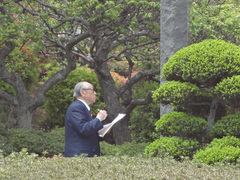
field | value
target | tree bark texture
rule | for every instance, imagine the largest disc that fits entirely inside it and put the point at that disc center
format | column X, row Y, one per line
column 121, row 132
column 212, row 114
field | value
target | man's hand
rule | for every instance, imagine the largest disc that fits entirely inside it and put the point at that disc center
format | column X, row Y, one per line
column 102, row 114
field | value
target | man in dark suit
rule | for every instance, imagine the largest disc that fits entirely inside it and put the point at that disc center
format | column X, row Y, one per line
column 81, row 130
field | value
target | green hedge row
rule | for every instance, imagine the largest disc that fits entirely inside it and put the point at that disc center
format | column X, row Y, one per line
column 51, row 143
column 35, row 141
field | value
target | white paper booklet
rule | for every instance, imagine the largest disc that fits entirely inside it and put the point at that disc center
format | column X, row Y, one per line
column 108, row 126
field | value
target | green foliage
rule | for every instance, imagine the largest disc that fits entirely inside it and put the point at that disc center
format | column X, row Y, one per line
column 25, row 63
column 7, row 87
column 182, row 125
column 194, row 72
column 224, row 142
column 225, row 150
column 35, row 141
column 175, row 92
column 144, row 116
column 109, row 12
column 3, row 140
column 61, row 96
column 205, row 63
column 4, row 110
column 24, row 32
column 127, row 149
column 174, row 147
column 3, row 129
column 214, row 155
column 227, row 126
column 228, row 90
column 120, row 67
column 142, row 122
column 214, row 19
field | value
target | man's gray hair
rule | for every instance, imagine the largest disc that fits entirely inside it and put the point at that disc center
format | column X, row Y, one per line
column 78, row 87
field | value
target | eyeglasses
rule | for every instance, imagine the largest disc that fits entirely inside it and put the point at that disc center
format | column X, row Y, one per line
column 93, row 89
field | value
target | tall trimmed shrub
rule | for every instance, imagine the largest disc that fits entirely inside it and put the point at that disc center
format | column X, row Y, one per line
column 203, row 79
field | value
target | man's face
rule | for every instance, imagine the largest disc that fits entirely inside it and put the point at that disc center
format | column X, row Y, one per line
column 89, row 94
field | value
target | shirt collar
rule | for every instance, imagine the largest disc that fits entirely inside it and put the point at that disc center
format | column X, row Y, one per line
column 84, row 104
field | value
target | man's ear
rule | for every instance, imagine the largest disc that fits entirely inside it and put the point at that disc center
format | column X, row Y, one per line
column 82, row 93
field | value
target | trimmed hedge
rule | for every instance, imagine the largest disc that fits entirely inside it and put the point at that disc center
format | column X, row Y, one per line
column 49, row 144
column 35, row 141
column 24, row 166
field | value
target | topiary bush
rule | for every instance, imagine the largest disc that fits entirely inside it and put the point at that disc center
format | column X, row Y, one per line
column 194, row 72
column 182, row 125
column 61, row 96
column 225, row 150
column 227, row 126
column 175, row 147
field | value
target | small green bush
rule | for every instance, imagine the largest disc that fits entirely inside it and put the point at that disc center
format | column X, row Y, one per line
column 225, row 150
column 130, row 149
column 182, row 125
column 172, row 146
column 227, row 126
column 214, row 155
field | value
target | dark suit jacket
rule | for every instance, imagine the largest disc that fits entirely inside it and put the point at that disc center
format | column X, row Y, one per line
column 81, row 131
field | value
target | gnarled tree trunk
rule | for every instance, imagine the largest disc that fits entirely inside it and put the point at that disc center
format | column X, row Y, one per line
column 121, row 132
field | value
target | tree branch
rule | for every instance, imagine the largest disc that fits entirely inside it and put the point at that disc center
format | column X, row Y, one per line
column 137, row 102
column 137, row 77
column 9, row 98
